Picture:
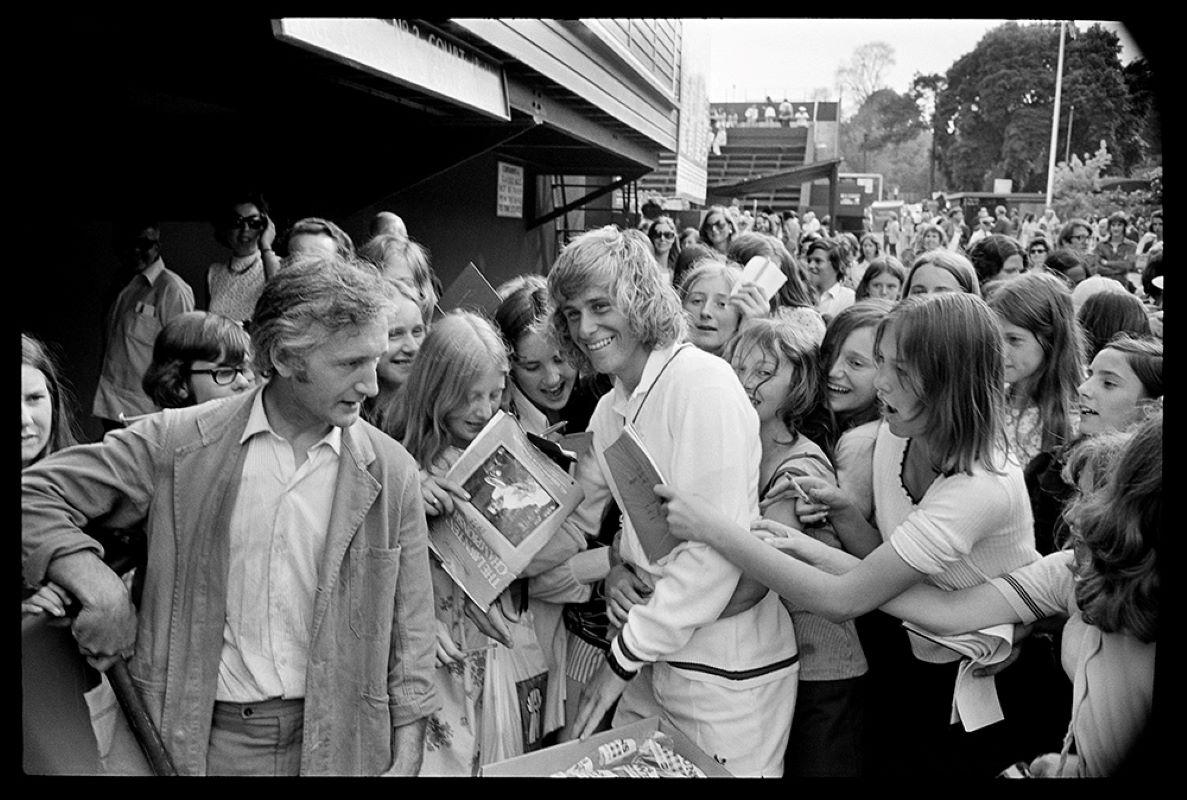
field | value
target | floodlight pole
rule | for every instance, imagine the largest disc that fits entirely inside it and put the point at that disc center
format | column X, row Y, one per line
column 1055, row 118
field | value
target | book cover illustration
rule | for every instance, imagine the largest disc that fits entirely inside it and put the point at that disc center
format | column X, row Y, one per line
column 518, row 500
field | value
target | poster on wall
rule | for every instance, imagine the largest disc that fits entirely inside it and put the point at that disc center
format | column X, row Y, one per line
column 692, row 154
column 510, row 192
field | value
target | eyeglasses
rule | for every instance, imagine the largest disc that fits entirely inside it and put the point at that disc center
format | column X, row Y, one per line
column 254, row 222
column 1079, row 237
column 665, row 235
column 225, row 376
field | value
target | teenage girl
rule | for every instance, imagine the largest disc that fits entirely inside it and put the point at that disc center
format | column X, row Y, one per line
column 778, row 367
column 1042, row 344
column 1106, row 586
column 454, row 389
column 884, row 278
column 951, row 509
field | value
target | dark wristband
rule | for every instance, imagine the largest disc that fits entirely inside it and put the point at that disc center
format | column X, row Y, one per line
column 617, row 669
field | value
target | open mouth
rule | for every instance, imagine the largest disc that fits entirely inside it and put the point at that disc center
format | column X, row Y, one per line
column 553, row 394
column 832, row 387
column 1085, row 410
column 601, row 344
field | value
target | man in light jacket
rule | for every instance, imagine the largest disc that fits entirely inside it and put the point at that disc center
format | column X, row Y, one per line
column 286, row 622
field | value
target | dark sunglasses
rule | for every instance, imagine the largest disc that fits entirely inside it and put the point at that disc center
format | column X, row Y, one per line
column 664, row 235
column 255, row 223
column 225, row 376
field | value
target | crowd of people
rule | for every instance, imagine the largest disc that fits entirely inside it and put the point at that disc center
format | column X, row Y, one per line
column 916, row 495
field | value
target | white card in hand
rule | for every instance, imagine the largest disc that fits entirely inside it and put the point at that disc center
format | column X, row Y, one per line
column 765, row 274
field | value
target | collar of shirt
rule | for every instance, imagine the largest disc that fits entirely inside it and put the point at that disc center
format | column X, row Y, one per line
column 651, row 370
column 258, row 423
column 153, row 270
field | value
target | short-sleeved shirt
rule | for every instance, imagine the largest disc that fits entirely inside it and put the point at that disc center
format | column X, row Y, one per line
column 965, row 529
column 152, row 298
column 1112, row 673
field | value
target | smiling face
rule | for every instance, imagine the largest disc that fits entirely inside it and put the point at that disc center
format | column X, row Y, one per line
column 482, row 401
column 902, row 405
column 1024, row 355
column 930, row 279
column 712, row 321
column 328, row 387
column 766, row 377
column 851, row 376
column 405, row 332
column 1110, row 397
column 246, row 227
column 37, row 414
column 931, row 240
column 663, row 236
column 541, row 373
column 602, row 333
column 718, row 229
column 820, row 270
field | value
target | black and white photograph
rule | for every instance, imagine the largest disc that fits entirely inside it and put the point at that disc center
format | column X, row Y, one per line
column 319, row 283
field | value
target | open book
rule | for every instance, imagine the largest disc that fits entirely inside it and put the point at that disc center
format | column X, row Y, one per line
column 518, row 499
column 635, row 473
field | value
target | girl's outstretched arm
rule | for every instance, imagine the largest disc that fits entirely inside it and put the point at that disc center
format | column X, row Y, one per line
column 879, row 577
column 950, row 613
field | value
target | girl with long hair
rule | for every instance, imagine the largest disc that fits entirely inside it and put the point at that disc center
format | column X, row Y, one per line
column 951, row 508
column 454, row 389
column 883, row 279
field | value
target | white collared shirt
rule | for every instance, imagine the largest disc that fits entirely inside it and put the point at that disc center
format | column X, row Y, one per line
column 702, row 432
column 278, row 533
column 834, row 300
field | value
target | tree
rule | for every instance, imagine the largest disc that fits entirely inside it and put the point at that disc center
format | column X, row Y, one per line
column 993, row 115
column 1077, row 189
column 866, row 71
column 1142, row 126
column 886, row 117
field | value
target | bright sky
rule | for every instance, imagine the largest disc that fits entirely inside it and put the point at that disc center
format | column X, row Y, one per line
column 753, row 58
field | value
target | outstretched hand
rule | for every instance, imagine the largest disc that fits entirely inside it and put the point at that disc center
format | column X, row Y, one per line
column 816, row 497
column 690, row 517
column 749, row 302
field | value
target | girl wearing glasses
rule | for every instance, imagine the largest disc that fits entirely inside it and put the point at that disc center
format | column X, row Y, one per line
column 662, row 234
column 235, row 283
column 197, row 357
column 717, row 230
column 1037, row 251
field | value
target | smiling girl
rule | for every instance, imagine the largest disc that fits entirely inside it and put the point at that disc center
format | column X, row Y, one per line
column 777, row 365
column 1124, row 382
column 454, row 389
